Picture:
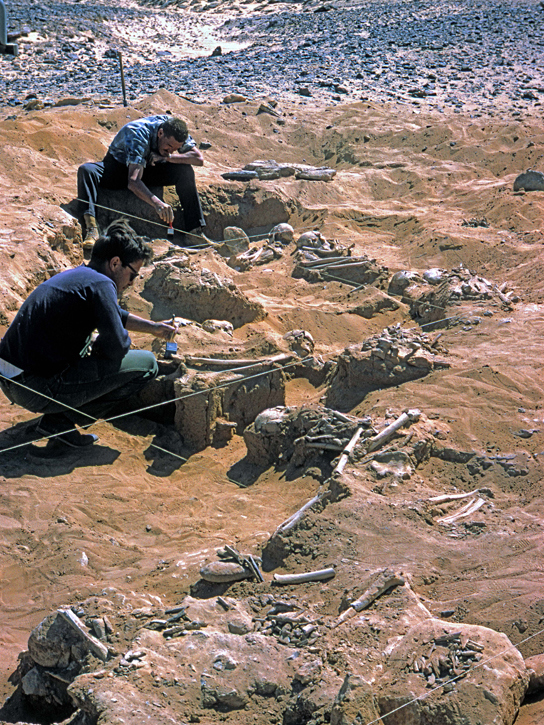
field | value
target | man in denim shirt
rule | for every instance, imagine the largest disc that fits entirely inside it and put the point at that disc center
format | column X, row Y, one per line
column 152, row 151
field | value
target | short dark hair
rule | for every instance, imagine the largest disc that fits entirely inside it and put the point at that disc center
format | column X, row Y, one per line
column 120, row 240
column 175, row 127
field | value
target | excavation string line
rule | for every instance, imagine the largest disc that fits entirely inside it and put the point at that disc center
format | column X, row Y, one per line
column 149, row 407
column 173, row 400
column 382, row 719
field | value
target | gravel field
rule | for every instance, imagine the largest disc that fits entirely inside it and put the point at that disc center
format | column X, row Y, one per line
column 472, row 56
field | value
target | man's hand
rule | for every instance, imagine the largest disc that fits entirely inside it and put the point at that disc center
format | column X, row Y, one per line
column 155, row 158
column 165, row 330
column 165, row 211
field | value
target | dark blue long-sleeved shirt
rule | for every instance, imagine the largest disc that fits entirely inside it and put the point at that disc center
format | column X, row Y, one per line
column 54, row 323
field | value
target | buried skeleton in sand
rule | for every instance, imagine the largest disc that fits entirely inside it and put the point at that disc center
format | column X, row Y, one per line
column 152, row 151
column 60, row 373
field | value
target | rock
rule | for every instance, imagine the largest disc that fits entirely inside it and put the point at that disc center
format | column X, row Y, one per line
column 535, row 668
column 71, row 101
column 308, row 671
column 216, row 52
column 33, row 105
column 481, row 695
column 530, row 181
column 204, row 145
column 50, row 643
column 320, row 174
column 355, row 702
column 239, row 626
column 240, row 175
column 234, row 98
column 224, row 571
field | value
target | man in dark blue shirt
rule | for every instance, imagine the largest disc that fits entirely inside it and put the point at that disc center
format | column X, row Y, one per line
column 61, row 375
column 152, row 151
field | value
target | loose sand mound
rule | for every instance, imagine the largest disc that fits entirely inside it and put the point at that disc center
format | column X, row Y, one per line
column 129, row 516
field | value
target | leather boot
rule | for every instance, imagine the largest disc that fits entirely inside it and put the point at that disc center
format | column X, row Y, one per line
column 91, row 232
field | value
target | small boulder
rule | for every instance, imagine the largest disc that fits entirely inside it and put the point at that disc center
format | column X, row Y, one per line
column 530, row 181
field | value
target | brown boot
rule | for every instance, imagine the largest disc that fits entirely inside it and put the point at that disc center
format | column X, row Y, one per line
column 92, row 233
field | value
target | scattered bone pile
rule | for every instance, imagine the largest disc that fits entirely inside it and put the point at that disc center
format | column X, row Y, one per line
column 296, row 435
column 312, row 246
column 270, row 170
column 391, row 357
column 289, row 624
column 429, row 296
column 355, row 271
column 448, row 658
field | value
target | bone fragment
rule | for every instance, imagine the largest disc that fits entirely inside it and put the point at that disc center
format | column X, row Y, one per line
column 97, row 648
column 294, row 518
column 501, row 296
column 467, row 510
column 318, row 262
column 325, row 446
column 347, row 450
column 309, row 576
column 452, row 496
column 385, row 581
column 225, row 362
column 408, row 416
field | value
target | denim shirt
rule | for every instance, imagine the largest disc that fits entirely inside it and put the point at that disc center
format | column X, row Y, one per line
column 135, row 142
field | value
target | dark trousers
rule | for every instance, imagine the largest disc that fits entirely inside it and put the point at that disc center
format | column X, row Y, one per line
column 93, row 387
column 110, row 174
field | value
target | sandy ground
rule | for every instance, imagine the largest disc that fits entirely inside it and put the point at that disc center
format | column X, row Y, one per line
column 125, row 516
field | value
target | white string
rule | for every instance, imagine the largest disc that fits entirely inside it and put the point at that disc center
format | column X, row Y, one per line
column 149, row 407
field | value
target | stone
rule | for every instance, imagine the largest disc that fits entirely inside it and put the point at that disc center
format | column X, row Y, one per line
column 240, row 175
column 319, row 174
column 355, row 702
column 482, row 695
column 234, row 98
column 239, row 626
column 535, row 668
column 530, row 181
column 224, row 571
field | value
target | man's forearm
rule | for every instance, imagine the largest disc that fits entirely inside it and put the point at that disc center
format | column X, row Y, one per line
column 142, row 192
column 192, row 157
column 157, row 329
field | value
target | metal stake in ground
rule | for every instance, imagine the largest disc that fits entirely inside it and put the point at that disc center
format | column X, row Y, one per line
column 122, row 78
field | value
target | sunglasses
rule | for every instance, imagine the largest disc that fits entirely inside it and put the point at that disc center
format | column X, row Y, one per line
column 133, row 272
